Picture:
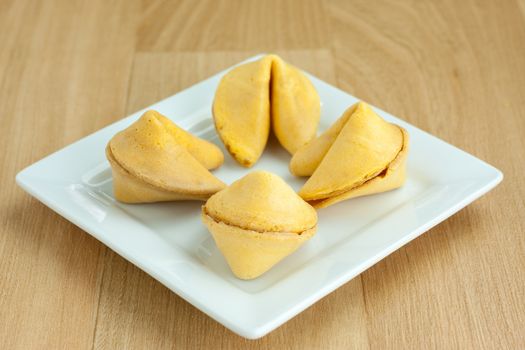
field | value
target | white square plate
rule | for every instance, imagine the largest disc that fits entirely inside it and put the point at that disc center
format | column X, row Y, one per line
column 170, row 243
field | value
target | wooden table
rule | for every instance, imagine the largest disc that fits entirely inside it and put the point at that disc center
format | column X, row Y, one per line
column 454, row 68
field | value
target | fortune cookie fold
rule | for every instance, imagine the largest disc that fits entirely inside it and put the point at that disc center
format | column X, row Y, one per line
column 206, row 153
column 257, row 221
column 307, row 158
column 255, row 95
column 296, row 107
column 367, row 155
column 150, row 165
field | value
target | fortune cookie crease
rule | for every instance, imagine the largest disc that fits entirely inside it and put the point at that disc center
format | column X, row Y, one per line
column 153, row 160
column 257, row 221
column 360, row 154
column 307, row 158
column 295, row 106
column 206, row 153
column 256, row 95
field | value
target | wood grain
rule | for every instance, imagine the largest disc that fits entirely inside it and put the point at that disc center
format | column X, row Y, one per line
column 64, row 68
column 229, row 25
column 455, row 69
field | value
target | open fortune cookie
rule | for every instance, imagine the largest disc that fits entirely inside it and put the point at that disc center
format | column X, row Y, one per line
column 257, row 221
column 153, row 160
column 360, row 154
column 255, row 95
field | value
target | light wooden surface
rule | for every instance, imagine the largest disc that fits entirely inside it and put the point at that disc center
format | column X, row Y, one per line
column 453, row 68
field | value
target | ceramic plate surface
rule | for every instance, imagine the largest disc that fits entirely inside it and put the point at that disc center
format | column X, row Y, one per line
column 169, row 242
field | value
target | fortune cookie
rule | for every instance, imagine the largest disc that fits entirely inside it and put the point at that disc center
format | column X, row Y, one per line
column 255, row 95
column 153, row 160
column 257, row 221
column 360, row 154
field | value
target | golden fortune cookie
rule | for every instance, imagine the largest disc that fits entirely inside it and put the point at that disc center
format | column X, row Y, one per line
column 258, row 221
column 255, row 95
column 153, row 160
column 360, row 154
